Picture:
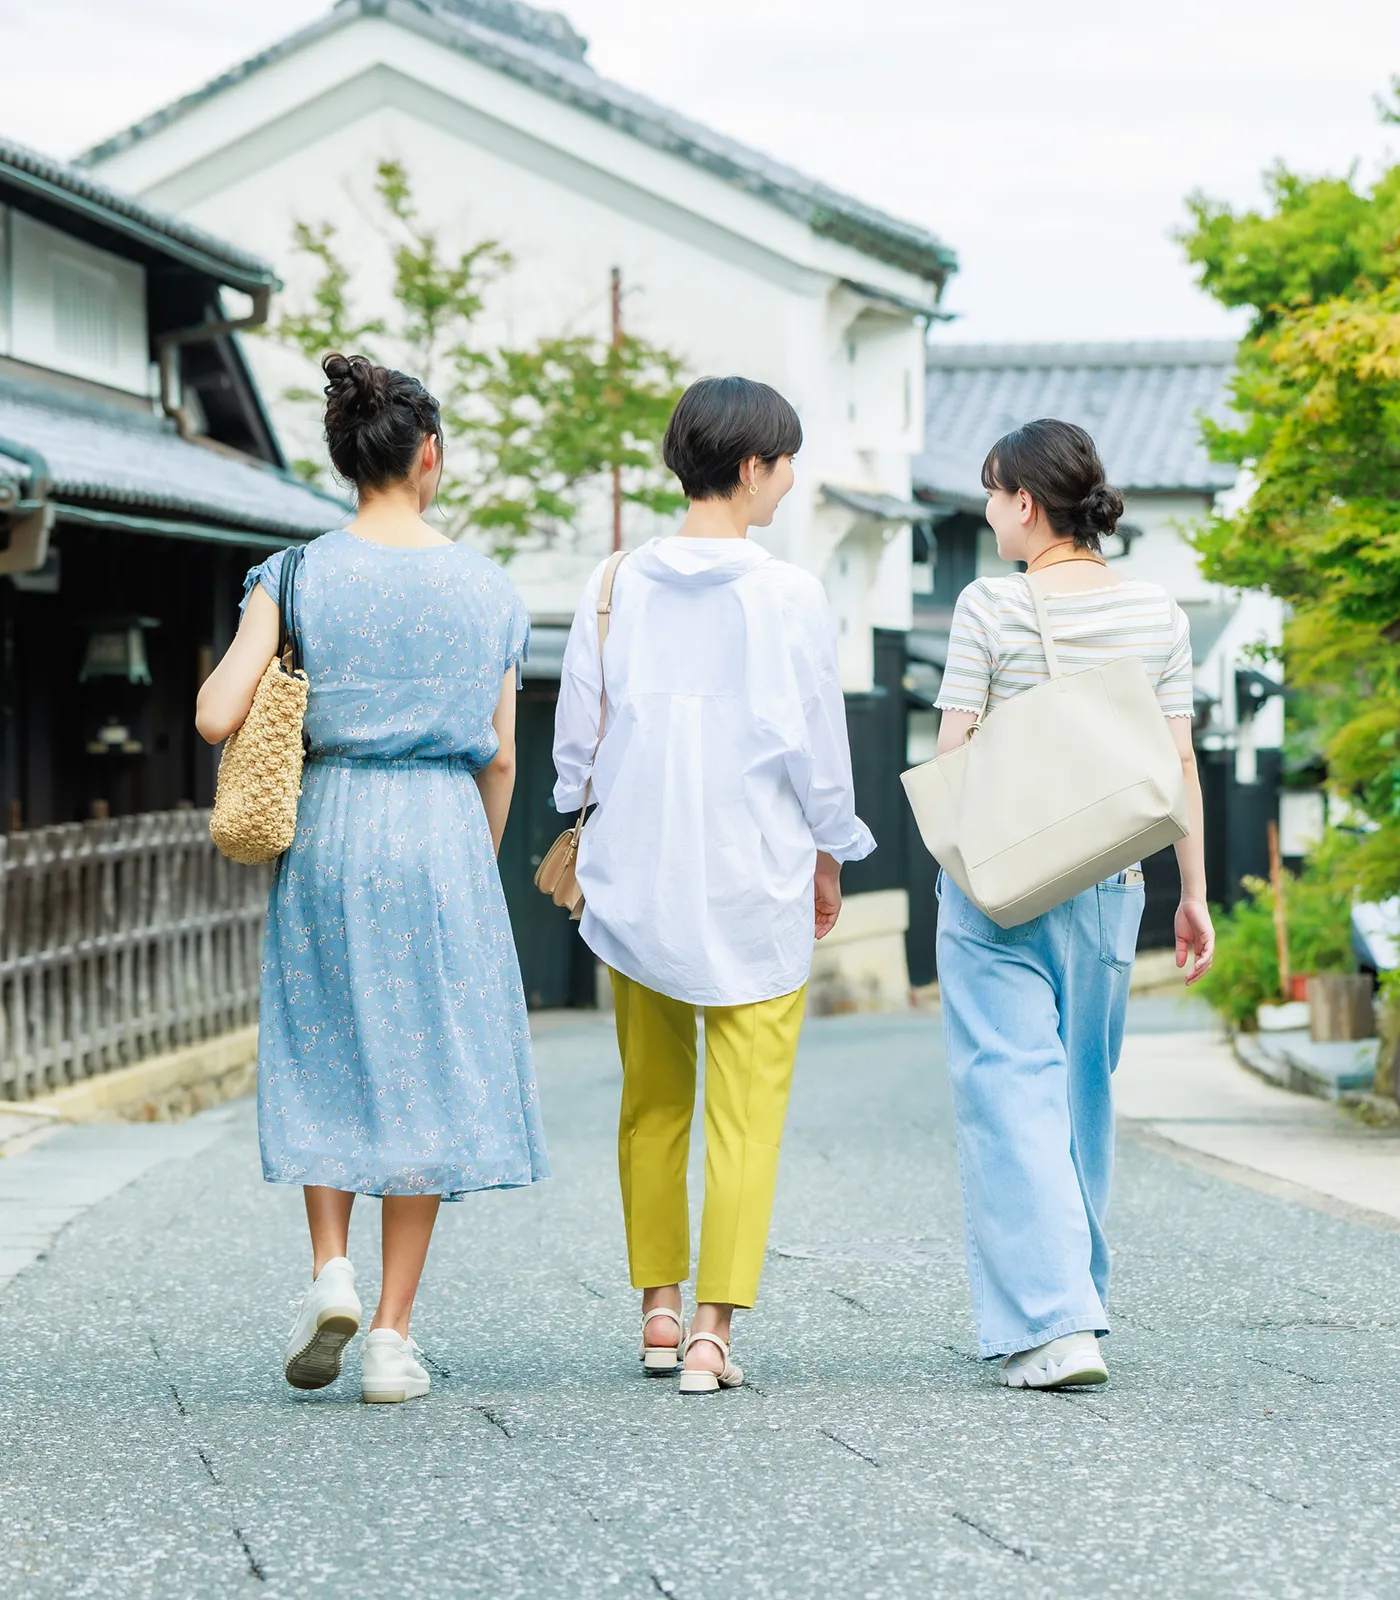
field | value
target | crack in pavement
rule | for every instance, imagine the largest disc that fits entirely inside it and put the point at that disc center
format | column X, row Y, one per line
column 1000, row 1543
column 850, row 1300
column 254, row 1565
column 966, row 1355
column 1080, row 1403
column 494, row 1419
column 1249, row 1483
column 1291, row 1371
column 846, row 1445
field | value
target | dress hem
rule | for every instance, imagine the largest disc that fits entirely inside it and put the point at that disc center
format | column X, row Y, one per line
column 379, row 1190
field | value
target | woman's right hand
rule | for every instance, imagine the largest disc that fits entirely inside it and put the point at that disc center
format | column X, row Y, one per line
column 1195, row 936
column 826, row 893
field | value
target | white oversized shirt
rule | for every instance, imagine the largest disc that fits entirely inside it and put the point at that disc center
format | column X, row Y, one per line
column 724, row 768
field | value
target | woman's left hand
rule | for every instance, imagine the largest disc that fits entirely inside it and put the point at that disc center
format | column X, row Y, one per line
column 827, row 893
column 1195, row 937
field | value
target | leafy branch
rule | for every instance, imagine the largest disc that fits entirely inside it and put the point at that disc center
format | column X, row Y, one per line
column 532, row 432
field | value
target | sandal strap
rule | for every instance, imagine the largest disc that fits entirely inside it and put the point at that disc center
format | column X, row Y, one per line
column 708, row 1338
column 678, row 1317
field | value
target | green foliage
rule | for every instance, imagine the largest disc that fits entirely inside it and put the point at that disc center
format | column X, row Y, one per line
column 548, row 419
column 527, row 429
column 1317, row 909
column 1317, row 393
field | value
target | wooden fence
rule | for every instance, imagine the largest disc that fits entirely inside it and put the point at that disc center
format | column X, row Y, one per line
column 118, row 940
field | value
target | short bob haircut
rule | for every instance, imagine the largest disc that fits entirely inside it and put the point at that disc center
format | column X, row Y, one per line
column 718, row 424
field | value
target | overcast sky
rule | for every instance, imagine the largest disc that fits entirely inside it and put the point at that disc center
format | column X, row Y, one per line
column 1050, row 145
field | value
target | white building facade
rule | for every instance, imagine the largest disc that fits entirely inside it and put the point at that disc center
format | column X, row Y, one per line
column 728, row 259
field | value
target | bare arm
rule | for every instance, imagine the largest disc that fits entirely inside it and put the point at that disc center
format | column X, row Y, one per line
column 496, row 780
column 1195, row 937
column 227, row 693
column 953, row 729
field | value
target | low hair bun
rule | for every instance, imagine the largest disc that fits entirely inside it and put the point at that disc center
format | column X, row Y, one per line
column 376, row 420
column 1097, row 514
column 1058, row 465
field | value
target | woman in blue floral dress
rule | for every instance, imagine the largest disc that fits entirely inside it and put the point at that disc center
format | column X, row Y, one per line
column 393, row 1049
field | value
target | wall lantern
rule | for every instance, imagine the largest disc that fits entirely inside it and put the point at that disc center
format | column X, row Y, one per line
column 116, row 648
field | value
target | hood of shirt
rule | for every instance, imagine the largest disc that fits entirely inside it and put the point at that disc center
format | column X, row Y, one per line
column 697, row 563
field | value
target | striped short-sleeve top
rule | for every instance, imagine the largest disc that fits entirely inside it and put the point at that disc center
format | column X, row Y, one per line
column 995, row 640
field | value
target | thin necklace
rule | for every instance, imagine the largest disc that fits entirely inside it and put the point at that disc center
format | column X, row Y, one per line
column 1055, row 555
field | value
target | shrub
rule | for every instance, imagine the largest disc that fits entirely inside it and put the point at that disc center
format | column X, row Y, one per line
column 1318, row 908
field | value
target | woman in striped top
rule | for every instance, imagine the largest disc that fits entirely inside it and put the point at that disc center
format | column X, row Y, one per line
column 1033, row 1015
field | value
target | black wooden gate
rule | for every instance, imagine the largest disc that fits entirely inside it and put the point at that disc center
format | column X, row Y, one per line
column 555, row 964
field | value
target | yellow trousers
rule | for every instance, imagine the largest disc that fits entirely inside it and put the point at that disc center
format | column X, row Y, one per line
column 749, row 1052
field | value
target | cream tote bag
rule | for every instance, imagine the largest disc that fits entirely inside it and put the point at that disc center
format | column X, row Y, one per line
column 1068, row 783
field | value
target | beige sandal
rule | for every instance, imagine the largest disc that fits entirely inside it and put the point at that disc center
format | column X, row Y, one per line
column 702, row 1382
column 662, row 1360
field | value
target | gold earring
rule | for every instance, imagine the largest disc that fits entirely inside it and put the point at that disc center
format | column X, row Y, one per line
column 753, row 488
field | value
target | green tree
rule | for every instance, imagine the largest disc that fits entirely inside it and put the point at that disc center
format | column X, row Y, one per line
column 528, row 430
column 1317, row 398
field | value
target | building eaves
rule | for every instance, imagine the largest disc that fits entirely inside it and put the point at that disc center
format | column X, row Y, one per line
column 25, row 171
column 826, row 211
column 113, row 457
column 1143, row 403
column 1122, row 353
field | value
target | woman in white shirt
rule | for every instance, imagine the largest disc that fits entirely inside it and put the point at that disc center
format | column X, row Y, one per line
column 1033, row 1015
column 725, row 809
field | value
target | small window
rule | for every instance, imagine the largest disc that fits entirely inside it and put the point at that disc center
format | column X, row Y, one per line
column 84, row 312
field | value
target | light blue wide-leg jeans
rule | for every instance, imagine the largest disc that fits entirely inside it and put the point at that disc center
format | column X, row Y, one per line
column 1033, row 1024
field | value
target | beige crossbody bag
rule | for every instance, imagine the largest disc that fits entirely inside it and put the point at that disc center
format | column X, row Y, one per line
column 1068, row 783
column 555, row 875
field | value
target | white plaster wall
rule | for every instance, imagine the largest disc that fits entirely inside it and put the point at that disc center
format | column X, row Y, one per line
column 1164, row 554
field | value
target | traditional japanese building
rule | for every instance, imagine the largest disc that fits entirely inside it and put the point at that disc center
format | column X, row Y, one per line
column 140, row 475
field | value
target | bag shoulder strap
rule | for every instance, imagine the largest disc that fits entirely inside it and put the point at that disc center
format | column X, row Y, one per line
column 287, row 633
column 1042, row 620
column 605, row 598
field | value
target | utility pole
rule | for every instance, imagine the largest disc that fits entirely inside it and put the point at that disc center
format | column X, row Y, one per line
column 617, row 467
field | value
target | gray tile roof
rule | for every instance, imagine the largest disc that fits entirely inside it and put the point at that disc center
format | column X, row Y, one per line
column 1141, row 402
column 29, row 172
column 541, row 50
column 116, row 457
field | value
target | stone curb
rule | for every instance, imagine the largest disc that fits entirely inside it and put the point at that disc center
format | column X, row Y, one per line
column 160, row 1088
column 1326, row 1071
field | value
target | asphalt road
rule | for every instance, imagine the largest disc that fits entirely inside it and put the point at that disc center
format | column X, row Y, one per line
column 1246, row 1445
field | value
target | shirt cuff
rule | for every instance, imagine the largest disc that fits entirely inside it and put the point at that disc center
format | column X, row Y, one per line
column 568, row 797
column 854, row 845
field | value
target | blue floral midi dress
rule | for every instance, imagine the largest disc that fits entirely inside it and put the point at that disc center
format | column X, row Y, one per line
column 393, row 1049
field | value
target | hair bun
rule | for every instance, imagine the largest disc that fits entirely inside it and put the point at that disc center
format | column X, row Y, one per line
column 1098, row 512
column 355, row 386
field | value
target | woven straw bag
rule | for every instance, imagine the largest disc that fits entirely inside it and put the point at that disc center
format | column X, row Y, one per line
column 555, row 874
column 1068, row 783
column 255, row 802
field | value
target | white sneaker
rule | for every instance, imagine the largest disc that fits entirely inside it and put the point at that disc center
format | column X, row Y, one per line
column 327, row 1320
column 391, row 1370
column 1075, row 1359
